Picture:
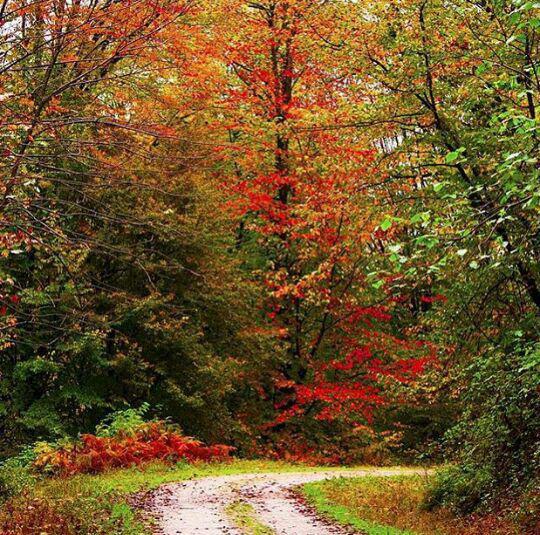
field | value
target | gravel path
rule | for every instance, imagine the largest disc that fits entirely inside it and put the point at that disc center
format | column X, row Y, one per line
column 197, row 506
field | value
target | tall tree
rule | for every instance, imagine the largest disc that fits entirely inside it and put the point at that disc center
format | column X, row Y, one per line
column 305, row 202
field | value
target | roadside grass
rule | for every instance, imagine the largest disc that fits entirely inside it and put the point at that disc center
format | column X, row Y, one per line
column 394, row 506
column 244, row 517
column 101, row 504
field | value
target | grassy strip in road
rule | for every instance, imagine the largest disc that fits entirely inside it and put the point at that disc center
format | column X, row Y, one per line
column 244, row 518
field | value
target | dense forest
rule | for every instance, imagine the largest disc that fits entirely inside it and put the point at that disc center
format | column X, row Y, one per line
column 306, row 229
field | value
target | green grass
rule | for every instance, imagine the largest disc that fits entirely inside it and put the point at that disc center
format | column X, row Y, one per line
column 245, row 518
column 316, row 496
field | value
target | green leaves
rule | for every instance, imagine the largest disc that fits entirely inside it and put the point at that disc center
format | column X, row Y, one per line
column 427, row 241
column 386, row 224
column 531, row 360
column 421, row 217
column 437, row 187
column 455, row 156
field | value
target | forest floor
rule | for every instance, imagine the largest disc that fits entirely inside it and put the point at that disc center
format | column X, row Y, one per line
column 258, row 504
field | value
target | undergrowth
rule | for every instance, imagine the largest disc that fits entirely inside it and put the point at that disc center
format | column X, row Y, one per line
column 397, row 506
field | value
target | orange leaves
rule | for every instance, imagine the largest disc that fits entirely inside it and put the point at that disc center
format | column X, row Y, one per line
column 55, row 107
column 149, row 442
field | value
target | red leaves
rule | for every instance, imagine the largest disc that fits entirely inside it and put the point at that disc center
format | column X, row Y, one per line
column 343, row 397
column 6, row 301
column 149, row 442
column 309, row 196
column 434, row 298
column 355, row 358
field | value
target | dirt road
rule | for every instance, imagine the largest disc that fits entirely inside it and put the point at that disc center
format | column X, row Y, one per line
column 198, row 506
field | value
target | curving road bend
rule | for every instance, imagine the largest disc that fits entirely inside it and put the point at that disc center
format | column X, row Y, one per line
column 197, row 507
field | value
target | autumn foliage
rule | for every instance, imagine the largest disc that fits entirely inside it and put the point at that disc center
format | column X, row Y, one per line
column 153, row 441
column 302, row 227
column 305, row 195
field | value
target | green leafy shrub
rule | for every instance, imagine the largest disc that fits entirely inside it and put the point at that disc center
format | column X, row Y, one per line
column 498, row 440
column 462, row 487
column 124, row 421
column 15, row 473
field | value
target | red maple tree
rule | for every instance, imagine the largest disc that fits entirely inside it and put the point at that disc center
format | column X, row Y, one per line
column 304, row 191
